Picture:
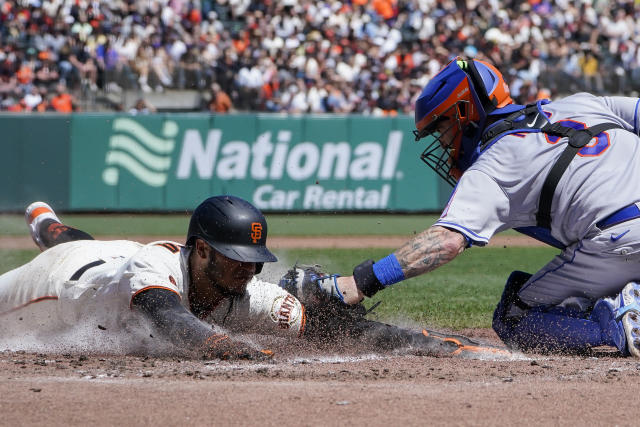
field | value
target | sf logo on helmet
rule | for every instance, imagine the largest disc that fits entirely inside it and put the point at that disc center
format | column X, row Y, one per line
column 256, row 231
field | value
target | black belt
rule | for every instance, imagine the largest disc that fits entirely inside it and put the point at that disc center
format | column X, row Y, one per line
column 625, row 214
column 84, row 268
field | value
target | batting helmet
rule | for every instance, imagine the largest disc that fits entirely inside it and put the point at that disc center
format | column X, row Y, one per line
column 453, row 108
column 233, row 227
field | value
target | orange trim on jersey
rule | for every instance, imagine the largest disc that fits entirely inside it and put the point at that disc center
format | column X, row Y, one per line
column 38, row 211
column 172, row 247
column 303, row 322
column 151, row 287
column 39, row 299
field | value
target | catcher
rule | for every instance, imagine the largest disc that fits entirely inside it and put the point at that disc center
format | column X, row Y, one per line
column 193, row 293
column 560, row 171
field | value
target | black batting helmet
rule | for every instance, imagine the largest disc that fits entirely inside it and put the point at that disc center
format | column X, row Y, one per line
column 233, row 227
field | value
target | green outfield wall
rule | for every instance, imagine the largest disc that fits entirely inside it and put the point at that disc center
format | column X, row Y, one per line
column 89, row 162
column 34, row 161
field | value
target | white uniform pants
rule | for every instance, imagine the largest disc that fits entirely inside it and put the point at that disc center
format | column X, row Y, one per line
column 42, row 287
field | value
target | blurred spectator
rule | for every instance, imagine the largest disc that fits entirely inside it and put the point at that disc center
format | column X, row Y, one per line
column 17, row 107
column 84, row 65
column 32, row 98
column 385, row 8
column 220, row 101
column 113, row 67
column 62, row 102
column 142, row 66
column 46, row 73
column 142, row 107
column 249, row 83
column 26, row 69
column 190, row 70
column 162, row 69
column 590, row 67
column 8, row 84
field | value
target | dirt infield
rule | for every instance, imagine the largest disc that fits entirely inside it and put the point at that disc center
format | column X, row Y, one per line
column 311, row 386
column 316, row 389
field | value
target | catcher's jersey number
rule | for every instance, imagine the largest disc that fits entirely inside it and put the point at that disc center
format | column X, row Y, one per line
column 599, row 146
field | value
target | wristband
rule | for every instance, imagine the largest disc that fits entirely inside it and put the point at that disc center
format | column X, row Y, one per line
column 366, row 279
column 388, row 270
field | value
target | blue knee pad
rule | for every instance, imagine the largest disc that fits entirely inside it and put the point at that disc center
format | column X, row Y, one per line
column 502, row 323
column 555, row 330
column 552, row 328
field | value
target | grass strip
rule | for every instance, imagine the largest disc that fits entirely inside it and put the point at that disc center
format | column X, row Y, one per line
column 279, row 225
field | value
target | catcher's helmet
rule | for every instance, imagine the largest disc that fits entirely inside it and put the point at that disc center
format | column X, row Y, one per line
column 453, row 108
column 233, row 227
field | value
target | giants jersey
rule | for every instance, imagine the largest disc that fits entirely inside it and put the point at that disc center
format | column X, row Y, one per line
column 502, row 188
column 99, row 279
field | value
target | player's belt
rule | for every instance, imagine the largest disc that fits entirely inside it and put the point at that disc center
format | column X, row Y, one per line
column 79, row 272
column 625, row 214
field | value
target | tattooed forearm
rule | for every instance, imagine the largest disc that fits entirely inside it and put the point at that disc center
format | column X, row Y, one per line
column 429, row 250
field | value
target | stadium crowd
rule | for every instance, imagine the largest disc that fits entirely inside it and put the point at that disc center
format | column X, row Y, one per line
column 360, row 56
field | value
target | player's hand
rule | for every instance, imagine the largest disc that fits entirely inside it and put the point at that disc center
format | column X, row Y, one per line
column 220, row 346
column 349, row 290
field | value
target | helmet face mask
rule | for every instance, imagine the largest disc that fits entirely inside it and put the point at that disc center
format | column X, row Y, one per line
column 453, row 109
column 446, row 147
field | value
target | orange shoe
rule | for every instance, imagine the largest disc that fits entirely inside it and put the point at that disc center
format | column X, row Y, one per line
column 469, row 349
column 34, row 215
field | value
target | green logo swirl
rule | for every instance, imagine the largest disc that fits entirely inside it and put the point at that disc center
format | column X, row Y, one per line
column 145, row 155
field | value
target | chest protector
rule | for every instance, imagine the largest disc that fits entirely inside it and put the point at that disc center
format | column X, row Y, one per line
column 533, row 119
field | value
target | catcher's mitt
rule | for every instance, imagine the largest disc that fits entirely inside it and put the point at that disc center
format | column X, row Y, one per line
column 327, row 315
column 311, row 286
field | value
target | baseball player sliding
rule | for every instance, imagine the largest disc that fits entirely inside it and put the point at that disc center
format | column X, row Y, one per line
column 564, row 172
column 190, row 292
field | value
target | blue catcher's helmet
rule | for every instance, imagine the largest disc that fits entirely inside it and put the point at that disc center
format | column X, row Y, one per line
column 453, row 109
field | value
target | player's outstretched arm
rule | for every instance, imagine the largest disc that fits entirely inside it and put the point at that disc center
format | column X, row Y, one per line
column 427, row 251
column 184, row 329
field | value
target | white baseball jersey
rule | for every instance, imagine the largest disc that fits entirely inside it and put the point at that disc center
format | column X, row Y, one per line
column 501, row 190
column 51, row 288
